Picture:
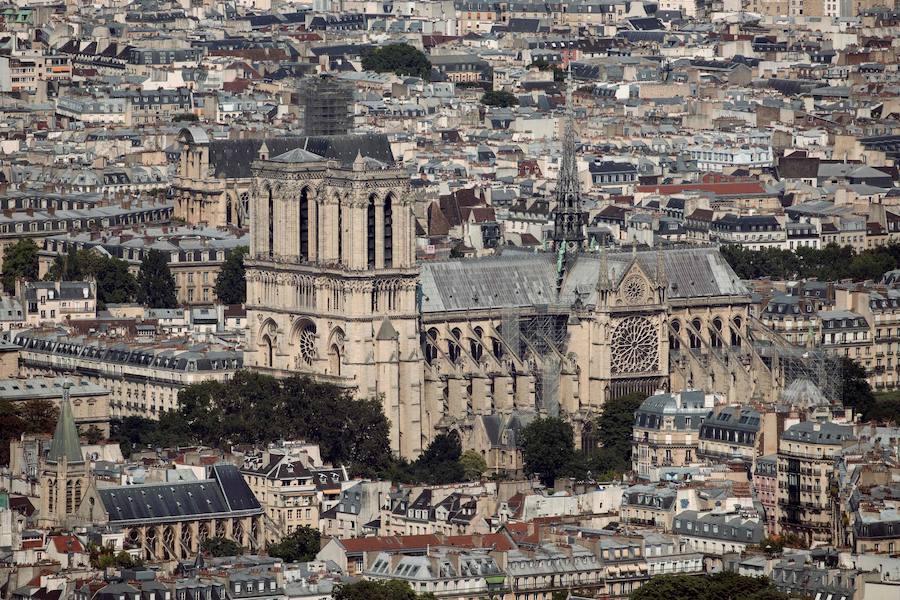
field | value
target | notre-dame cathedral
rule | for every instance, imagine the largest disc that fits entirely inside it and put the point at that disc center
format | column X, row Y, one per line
column 334, row 290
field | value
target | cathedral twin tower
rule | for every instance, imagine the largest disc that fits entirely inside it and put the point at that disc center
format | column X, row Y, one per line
column 332, row 276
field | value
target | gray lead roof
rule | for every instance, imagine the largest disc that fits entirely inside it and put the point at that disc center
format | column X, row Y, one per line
column 519, row 280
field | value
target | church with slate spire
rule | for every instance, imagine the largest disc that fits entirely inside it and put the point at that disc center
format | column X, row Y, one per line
column 64, row 473
column 476, row 345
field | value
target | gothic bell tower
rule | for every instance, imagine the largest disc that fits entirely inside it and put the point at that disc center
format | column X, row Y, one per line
column 64, row 472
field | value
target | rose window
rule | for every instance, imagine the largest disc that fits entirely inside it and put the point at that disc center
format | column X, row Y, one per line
column 634, row 289
column 634, row 346
column 306, row 341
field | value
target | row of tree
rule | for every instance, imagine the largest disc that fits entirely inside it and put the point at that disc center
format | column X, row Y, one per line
column 301, row 545
column 154, row 285
column 830, row 263
column 548, row 445
column 257, row 409
column 252, row 408
column 720, row 586
column 400, row 59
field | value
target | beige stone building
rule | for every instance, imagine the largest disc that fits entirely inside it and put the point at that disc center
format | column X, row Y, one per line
column 289, row 489
column 666, row 431
column 806, row 462
column 143, row 380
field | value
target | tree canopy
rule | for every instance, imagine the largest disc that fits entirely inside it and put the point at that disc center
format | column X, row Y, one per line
column 439, row 464
column 156, row 285
column 393, row 589
column 401, row 59
column 301, row 545
column 231, row 283
column 31, row 416
column 828, row 264
column 720, row 586
column 499, row 98
column 258, row 409
column 548, row 448
column 614, row 429
column 115, row 283
column 473, row 465
column 219, row 546
column 19, row 260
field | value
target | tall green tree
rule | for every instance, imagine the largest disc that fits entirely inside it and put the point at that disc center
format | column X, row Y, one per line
column 856, row 393
column 65, row 267
column 156, row 285
column 439, row 463
column 301, row 545
column 548, row 448
column 401, row 59
column 614, row 429
column 473, row 465
column 19, row 260
column 393, row 589
column 115, row 283
column 231, row 283
column 499, row 98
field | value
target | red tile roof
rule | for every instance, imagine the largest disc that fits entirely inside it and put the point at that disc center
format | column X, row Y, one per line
column 32, row 544
column 67, row 543
column 498, row 541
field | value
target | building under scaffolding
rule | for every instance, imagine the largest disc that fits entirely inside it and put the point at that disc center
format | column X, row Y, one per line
column 790, row 364
column 327, row 106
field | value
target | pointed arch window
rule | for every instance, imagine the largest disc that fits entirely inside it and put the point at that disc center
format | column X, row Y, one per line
column 340, row 231
column 271, row 224
column 370, row 231
column 388, row 231
column 304, row 224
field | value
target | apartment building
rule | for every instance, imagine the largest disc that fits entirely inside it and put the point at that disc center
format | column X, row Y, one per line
column 48, row 302
column 730, row 433
column 806, row 458
column 765, row 485
column 666, row 431
column 285, row 488
column 717, row 533
column 143, row 379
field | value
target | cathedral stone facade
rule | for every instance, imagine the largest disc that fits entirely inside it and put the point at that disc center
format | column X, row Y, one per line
column 332, row 275
column 334, row 290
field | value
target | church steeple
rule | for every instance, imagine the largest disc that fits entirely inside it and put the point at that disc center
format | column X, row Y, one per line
column 65, row 442
column 568, row 218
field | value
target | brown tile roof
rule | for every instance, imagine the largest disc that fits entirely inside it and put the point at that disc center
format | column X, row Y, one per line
column 731, row 188
column 393, row 543
column 67, row 543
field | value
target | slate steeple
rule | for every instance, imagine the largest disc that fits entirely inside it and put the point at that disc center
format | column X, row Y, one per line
column 65, row 442
column 569, row 219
